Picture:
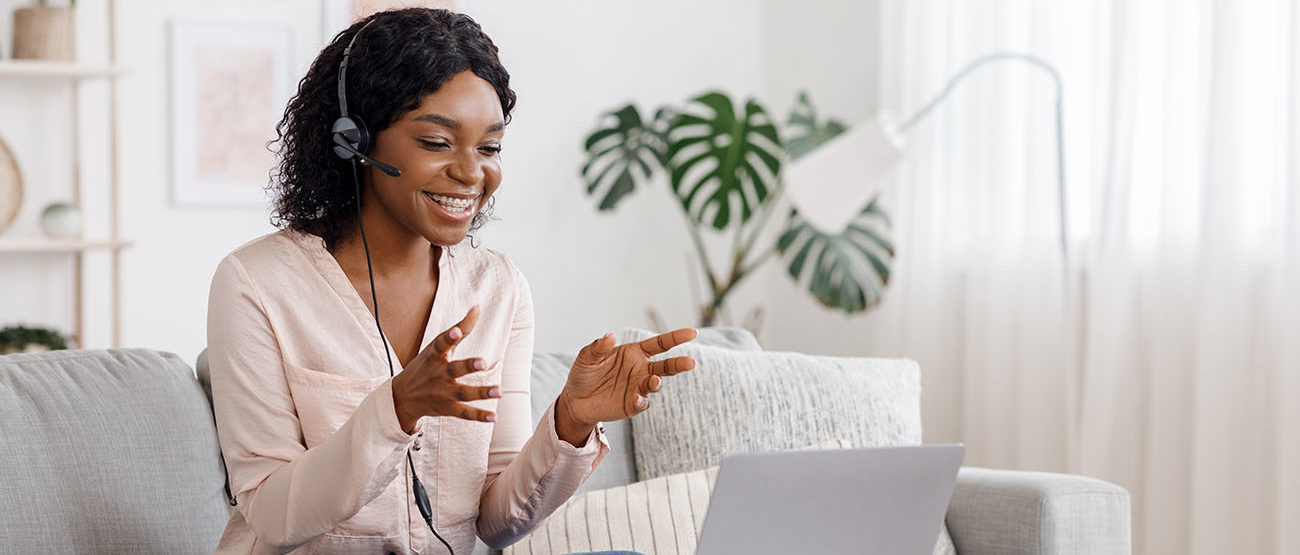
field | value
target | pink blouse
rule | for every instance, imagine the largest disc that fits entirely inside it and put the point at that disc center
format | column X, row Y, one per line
column 304, row 410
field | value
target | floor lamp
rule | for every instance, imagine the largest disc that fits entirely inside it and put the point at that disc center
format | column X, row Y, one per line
column 830, row 185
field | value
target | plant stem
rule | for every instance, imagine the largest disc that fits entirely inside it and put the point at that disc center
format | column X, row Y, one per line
column 706, row 314
column 704, row 256
column 765, row 212
column 740, row 251
column 761, row 259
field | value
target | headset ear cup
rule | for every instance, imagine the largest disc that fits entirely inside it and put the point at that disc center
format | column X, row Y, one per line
column 354, row 131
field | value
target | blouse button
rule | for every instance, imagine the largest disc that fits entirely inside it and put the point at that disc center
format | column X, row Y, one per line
column 416, row 447
column 419, row 433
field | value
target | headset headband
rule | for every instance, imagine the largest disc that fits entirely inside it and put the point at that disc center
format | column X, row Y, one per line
column 343, row 69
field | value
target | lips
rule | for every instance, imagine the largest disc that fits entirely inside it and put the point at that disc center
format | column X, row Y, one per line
column 456, row 207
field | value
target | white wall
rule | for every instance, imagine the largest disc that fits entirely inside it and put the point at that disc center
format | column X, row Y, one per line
column 570, row 60
column 830, row 49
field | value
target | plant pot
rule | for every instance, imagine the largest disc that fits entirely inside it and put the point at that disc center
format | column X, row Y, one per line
column 44, row 33
column 29, row 348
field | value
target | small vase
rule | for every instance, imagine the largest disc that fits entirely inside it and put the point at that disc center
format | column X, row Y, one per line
column 44, row 33
column 61, row 221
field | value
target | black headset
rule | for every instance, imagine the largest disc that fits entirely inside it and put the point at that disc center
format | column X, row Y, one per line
column 351, row 142
column 351, row 139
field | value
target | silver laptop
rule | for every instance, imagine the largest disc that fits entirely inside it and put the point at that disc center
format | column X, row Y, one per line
column 885, row 501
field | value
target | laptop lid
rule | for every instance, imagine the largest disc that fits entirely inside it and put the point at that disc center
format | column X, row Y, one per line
column 888, row 500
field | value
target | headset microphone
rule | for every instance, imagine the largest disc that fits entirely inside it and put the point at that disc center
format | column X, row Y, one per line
column 341, row 141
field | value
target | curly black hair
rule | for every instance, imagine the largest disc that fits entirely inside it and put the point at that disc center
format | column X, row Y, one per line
column 402, row 57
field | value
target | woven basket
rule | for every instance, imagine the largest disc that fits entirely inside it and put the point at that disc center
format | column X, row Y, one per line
column 44, row 33
column 11, row 187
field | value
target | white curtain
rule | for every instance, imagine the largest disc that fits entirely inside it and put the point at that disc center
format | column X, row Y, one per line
column 1174, row 367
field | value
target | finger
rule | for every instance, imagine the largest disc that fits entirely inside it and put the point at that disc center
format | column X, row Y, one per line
column 476, row 392
column 467, row 412
column 446, row 341
column 597, row 350
column 470, row 320
column 671, row 366
column 464, row 366
column 651, row 385
column 663, row 342
column 443, row 344
column 641, row 404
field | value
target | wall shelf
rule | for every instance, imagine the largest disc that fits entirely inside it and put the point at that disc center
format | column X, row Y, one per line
column 57, row 70
column 104, row 247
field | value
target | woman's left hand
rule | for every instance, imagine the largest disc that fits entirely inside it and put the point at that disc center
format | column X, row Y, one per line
column 609, row 382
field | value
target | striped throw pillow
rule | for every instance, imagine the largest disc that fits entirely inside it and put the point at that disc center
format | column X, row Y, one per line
column 655, row 517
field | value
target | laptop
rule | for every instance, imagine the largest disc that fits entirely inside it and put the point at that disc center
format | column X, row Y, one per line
column 886, row 501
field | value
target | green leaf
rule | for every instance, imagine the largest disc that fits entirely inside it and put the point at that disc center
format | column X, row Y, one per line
column 806, row 133
column 16, row 338
column 623, row 152
column 721, row 162
column 848, row 270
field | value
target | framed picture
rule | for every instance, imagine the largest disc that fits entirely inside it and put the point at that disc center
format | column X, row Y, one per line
column 230, row 83
column 339, row 14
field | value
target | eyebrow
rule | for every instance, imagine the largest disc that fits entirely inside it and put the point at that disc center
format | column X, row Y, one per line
column 453, row 124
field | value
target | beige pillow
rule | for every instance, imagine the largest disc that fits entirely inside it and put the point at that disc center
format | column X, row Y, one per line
column 661, row 516
column 745, row 402
column 654, row 517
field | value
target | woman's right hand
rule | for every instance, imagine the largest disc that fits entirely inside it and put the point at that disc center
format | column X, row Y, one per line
column 427, row 386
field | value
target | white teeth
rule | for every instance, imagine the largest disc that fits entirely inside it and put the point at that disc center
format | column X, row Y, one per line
column 452, row 204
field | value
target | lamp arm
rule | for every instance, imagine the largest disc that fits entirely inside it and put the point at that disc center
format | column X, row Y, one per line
column 1060, row 139
column 971, row 67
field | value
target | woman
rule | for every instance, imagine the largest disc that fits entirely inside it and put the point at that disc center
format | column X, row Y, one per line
column 328, row 448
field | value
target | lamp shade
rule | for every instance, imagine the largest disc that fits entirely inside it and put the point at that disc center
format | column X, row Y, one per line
column 830, row 185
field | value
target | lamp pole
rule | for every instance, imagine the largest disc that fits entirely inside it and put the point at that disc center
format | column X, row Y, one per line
column 1073, row 345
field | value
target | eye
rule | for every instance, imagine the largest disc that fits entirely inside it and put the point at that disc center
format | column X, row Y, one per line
column 491, row 150
column 432, row 145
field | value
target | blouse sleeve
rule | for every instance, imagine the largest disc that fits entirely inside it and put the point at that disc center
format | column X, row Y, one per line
column 276, row 480
column 529, row 475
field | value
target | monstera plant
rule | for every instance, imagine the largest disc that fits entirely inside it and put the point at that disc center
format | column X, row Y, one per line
column 723, row 163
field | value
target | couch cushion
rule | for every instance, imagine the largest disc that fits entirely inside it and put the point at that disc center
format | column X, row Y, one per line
column 107, row 452
column 742, row 402
column 1003, row 511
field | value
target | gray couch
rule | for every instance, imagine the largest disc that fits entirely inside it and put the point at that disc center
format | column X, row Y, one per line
column 107, row 452
column 116, row 452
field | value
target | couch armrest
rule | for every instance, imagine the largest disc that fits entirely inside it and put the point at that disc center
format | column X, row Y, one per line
column 1009, row 512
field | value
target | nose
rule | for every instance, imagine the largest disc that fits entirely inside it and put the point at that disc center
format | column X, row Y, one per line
column 467, row 168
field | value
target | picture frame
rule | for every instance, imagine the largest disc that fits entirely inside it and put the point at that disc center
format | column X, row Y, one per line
column 229, row 84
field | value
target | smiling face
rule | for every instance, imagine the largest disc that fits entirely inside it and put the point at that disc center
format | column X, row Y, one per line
column 448, row 150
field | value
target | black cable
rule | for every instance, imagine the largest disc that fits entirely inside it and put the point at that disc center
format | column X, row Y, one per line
column 417, row 488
